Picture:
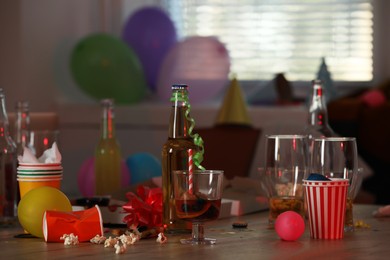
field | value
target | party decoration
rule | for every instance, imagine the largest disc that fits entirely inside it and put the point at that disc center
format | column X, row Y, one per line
column 144, row 208
column 143, row 166
column 86, row 177
column 289, row 225
column 233, row 109
column 150, row 33
column 105, row 67
column 34, row 204
column 200, row 62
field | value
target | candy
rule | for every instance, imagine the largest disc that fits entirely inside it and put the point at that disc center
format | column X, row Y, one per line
column 289, row 226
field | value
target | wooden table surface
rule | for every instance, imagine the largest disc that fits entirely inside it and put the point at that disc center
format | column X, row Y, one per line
column 256, row 242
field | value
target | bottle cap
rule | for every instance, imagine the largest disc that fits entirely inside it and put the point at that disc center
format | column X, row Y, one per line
column 179, row 86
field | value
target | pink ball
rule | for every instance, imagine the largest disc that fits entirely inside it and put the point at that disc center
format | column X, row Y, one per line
column 289, row 226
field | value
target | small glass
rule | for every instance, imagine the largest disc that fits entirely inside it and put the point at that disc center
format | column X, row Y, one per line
column 200, row 204
column 285, row 167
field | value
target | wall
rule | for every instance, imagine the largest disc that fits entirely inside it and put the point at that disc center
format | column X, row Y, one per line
column 36, row 39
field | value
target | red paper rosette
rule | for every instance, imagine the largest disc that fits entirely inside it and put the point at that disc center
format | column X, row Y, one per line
column 144, row 208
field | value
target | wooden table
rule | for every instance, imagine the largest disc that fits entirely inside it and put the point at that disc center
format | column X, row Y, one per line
column 256, row 242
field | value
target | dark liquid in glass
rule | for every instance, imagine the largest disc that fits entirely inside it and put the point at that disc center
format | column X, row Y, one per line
column 198, row 209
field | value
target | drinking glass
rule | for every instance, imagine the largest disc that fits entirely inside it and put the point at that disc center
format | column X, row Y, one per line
column 337, row 157
column 285, row 167
column 200, row 203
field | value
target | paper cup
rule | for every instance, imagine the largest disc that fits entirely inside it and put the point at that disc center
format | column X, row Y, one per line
column 326, row 202
column 85, row 224
column 27, row 184
column 39, row 165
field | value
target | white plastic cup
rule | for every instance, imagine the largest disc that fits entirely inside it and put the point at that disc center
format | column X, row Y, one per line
column 326, row 202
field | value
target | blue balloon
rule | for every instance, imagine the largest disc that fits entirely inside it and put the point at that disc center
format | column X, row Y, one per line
column 143, row 166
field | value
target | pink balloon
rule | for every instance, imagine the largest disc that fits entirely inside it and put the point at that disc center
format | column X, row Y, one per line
column 86, row 177
column 203, row 63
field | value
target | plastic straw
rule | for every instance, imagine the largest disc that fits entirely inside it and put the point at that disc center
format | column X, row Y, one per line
column 190, row 172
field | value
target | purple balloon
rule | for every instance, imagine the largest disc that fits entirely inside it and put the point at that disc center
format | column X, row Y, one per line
column 150, row 33
column 203, row 63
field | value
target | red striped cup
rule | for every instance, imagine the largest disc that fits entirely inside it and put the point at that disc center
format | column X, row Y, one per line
column 326, row 201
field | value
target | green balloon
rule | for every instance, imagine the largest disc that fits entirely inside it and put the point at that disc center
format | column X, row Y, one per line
column 106, row 67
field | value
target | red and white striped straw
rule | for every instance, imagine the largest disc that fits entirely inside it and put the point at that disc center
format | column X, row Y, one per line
column 190, row 172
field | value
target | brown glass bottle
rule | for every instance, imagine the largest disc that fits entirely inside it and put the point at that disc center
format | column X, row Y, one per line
column 175, row 157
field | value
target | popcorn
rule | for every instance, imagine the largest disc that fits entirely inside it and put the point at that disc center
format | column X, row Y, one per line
column 98, row 239
column 70, row 240
column 129, row 239
column 110, row 242
column 120, row 249
column 161, row 238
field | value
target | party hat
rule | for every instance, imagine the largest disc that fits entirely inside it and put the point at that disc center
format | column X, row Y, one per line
column 233, row 110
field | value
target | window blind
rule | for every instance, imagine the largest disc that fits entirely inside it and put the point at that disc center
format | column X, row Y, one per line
column 265, row 37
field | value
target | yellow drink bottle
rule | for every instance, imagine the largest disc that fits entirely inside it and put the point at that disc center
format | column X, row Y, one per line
column 108, row 154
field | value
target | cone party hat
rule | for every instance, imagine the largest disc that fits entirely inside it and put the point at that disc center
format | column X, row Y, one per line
column 233, row 110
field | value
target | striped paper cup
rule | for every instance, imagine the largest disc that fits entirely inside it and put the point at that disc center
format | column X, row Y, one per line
column 326, row 201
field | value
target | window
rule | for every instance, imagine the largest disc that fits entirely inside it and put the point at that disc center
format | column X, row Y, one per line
column 266, row 37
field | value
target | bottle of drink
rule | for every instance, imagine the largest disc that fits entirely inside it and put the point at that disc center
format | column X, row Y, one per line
column 175, row 156
column 318, row 115
column 8, row 164
column 107, row 155
column 22, row 126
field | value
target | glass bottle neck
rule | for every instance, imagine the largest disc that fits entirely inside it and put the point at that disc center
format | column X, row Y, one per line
column 179, row 124
column 318, row 114
column 108, row 125
column 22, row 122
column 4, row 125
column 6, row 141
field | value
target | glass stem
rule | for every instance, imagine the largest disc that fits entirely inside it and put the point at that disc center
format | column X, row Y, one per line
column 197, row 231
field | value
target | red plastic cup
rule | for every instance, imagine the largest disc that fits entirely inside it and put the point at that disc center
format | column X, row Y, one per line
column 326, row 201
column 85, row 224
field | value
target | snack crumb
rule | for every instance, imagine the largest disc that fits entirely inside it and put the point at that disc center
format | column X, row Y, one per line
column 120, row 249
column 70, row 239
column 161, row 238
column 98, row 239
column 110, row 242
column 361, row 224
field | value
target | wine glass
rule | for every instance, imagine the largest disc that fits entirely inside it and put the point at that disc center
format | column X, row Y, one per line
column 199, row 202
column 337, row 157
column 285, row 167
